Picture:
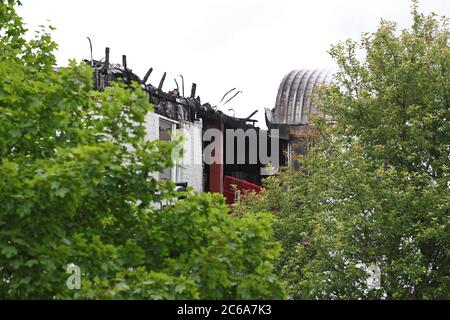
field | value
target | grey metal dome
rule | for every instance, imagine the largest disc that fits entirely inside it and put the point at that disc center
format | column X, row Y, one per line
column 294, row 102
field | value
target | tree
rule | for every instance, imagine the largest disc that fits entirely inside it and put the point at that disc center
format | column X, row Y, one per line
column 76, row 188
column 375, row 188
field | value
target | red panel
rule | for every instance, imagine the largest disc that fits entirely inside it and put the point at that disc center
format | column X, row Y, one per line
column 216, row 169
column 241, row 185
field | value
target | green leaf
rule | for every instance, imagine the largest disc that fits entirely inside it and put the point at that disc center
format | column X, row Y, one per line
column 9, row 251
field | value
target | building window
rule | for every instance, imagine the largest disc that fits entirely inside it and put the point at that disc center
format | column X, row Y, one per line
column 166, row 130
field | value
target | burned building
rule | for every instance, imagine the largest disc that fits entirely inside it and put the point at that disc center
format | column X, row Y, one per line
column 174, row 111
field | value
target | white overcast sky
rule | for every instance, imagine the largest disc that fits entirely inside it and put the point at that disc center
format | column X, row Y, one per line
column 219, row 44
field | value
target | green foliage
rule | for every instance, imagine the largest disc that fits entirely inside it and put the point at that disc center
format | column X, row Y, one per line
column 76, row 186
column 376, row 187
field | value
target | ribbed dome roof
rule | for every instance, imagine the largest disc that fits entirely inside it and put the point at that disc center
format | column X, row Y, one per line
column 294, row 102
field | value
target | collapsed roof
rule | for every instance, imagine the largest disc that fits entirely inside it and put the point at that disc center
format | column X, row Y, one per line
column 171, row 104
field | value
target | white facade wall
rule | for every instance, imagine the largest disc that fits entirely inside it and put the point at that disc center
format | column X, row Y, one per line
column 152, row 126
column 190, row 168
column 192, row 163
